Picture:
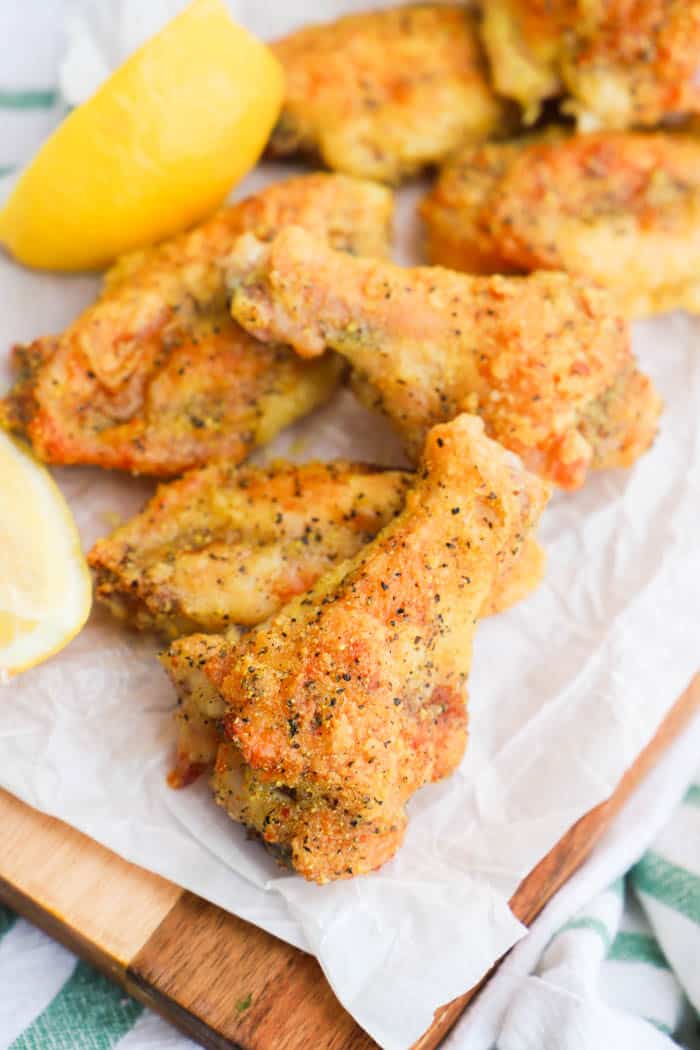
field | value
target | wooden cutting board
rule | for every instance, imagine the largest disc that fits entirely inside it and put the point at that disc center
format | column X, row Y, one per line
column 222, row 981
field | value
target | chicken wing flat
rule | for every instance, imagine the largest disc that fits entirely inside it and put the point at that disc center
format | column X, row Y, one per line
column 542, row 358
column 622, row 208
column 229, row 545
column 156, row 377
column 621, row 62
column 385, row 93
column 352, row 697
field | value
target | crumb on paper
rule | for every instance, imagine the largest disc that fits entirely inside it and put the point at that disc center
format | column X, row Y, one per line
column 299, row 445
column 112, row 518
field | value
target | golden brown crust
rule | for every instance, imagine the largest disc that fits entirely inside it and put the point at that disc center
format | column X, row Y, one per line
column 200, row 707
column 155, row 377
column 622, row 208
column 385, row 93
column 352, row 697
column 621, row 63
column 534, row 356
column 229, row 545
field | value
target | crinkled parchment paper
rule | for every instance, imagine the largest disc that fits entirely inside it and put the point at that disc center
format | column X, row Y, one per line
column 566, row 689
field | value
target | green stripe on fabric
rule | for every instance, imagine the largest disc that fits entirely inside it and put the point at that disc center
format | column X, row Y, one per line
column 7, row 920
column 637, row 947
column 618, row 886
column 692, row 795
column 587, row 923
column 89, row 1013
column 674, row 886
column 27, row 99
column 6, row 169
column 665, row 1028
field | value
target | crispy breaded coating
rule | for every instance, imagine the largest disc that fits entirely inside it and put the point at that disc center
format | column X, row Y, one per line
column 542, row 359
column 619, row 63
column 385, row 93
column 200, row 709
column 156, row 377
column 622, row 208
column 228, row 545
column 352, row 697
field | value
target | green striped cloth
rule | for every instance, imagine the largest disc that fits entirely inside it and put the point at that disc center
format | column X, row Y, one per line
column 51, row 1001
column 624, row 971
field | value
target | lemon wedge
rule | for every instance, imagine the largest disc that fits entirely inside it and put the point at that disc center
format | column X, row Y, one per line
column 45, row 588
column 155, row 149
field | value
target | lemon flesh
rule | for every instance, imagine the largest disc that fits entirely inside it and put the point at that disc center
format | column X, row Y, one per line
column 154, row 150
column 45, row 588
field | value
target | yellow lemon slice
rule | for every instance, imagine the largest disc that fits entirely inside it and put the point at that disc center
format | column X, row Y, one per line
column 154, row 150
column 45, row 588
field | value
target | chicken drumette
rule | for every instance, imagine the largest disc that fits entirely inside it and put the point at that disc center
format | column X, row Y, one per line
column 543, row 359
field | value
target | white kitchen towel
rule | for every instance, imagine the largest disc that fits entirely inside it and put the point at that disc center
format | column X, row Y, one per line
column 602, row 969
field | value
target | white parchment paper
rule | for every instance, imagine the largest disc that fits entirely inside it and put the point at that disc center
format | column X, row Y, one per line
column 565, row 691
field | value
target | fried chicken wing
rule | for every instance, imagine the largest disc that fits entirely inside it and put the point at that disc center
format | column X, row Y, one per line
column 200, row 708
column 621, row 62
column 352, row 697
column 156, row 377
column 542, row 359
column 229, row 545
column 385, row 93
column 622, row 208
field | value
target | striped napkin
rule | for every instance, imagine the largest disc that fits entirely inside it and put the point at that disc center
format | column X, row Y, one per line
column 622, row 972
column 625, row 970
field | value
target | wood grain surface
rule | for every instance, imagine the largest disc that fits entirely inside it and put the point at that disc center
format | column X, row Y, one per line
column 84, row 886
column 222, row 981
